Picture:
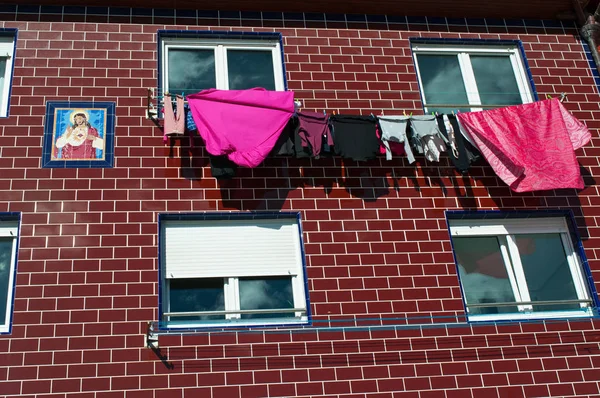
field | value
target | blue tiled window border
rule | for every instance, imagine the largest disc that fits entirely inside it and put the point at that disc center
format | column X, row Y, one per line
column 227, row 216
column 592, row 64
column 217, row 35
column 12, row 217
column 565, row 214
column 11, row 33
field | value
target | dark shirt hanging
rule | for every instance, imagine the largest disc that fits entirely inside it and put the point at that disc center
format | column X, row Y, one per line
column 355, row 136
column 221, row 167
column 463, row 154
column 285, row 143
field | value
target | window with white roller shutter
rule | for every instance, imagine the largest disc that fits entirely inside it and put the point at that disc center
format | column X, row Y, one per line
column 232, row 268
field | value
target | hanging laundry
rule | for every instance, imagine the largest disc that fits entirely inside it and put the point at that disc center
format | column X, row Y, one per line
column 462, row 154
column 242, row 124
column 312, row 130
column 222, row 168
column 531, row 147
column 285, row 143
column 190, row 125
column 173, row 124
column 355, row 136
column 393, row 132
column 426, row 138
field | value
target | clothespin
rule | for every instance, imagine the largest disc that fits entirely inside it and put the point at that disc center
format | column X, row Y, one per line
column 324, row 112
column 548, row 96
column 563, row 96
column 404, row 113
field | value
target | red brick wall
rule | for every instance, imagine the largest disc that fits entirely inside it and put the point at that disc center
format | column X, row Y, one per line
column 375, row 233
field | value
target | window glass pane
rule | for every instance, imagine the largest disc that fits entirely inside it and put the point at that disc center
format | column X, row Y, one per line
column 546, row 270
column 442, row 82
column 2, row 78
column 197, row 294
column 191, row 70
column 250, row 68
column 5, row 270
column 495, row 80
column 483, row 274
column 266, row 293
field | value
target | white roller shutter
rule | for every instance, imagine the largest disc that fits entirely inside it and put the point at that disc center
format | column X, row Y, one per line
column 231, row 248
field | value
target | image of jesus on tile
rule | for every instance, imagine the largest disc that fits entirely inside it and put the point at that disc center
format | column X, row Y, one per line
column 80, row 140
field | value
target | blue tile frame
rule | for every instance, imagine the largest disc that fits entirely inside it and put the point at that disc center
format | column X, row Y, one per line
column 224, row 216
column 11, row 33
column 475, row 42
column 566, row 214
column 12, row 217
column 216, row 35
column 109, row 135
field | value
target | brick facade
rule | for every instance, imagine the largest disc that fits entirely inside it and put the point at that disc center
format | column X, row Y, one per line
column 375, row 233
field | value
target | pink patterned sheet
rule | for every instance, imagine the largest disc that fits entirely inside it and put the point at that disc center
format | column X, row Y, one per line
column 531, row 147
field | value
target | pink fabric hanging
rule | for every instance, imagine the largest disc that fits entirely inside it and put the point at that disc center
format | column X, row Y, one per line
column 174, row 124
column 242, row 124
column 531, row 147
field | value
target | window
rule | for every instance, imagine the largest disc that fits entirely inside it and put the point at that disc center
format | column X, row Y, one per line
column 9, row 226
column 192, row 62
column 232, row 269
column 519, row 268
column 7, row 51
column 470, row 77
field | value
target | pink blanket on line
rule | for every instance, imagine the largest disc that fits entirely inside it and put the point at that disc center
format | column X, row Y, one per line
column 531, row 147
column 242, row 124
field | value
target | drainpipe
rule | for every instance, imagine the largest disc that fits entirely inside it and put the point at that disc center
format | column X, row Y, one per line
column 590, row 30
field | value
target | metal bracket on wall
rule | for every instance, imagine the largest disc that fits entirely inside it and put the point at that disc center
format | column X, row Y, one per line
column 151, row 338
column 151, row 108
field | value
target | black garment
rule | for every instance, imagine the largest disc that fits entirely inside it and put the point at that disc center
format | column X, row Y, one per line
column 467, row 153
column 285, row 143
column 355, row 136
column 221, row 167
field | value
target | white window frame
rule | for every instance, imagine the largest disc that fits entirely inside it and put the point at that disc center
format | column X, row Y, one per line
column 9, row 229
column 505, row 230
column 296, row 272
column 220, row 47
column 463, row 52
column 7, row 51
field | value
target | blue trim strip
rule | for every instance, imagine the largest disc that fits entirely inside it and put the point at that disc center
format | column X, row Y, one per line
column 12, row 217
column 303, row 254
column 591, row 63
column 215, row 216
column 14, row 33
column 566, row 214
column 158, row 15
